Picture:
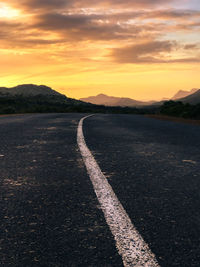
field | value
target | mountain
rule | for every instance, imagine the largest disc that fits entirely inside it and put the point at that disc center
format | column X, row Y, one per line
column 182, row 93
column 192, row 98
column 102, row 99
column 112, row 101
column 30, row 98
column 29, row 90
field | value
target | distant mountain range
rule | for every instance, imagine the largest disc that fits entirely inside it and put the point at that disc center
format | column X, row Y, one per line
column 106, row 100
column 181, row 94
column 31, row 90
column 192, row 98
column 30, row 98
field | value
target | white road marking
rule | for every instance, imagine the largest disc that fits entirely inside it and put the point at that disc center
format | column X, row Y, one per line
column 131, row 246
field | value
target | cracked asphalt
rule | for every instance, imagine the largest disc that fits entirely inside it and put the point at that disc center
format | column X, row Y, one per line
column 153, row 167
column 49, row 212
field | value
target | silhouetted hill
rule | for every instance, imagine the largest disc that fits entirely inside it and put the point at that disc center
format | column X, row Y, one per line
column 37, row 98
column 106, row 100
column 29, row 90
column 181, row 94
column 192, row 99
column 30, row 98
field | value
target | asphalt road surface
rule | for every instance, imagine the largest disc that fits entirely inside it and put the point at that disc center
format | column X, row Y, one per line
column 50, row 215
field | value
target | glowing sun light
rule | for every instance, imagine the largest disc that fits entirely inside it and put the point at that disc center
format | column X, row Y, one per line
column 7, row 12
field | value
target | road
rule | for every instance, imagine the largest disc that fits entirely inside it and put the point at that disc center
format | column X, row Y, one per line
column 50, row 215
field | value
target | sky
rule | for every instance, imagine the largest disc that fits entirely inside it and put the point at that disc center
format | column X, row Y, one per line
column 143, row 49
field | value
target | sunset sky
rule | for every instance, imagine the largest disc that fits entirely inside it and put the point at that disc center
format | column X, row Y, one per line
column 143, row 49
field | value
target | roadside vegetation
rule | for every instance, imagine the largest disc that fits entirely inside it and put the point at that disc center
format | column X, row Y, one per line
column 47, row 104
column 179, row 109
column 16, row 104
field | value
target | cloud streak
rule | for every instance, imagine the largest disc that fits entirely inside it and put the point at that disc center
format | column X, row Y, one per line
column 153, row 52
column 149, row 52
column 36, row 5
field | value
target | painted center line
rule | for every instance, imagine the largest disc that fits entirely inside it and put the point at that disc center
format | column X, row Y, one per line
column 130, row 244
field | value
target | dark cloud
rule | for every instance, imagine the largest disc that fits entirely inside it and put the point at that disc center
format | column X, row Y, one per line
column 66, row 28
column 37, row 5
column 166, row 14
column 118, row 3
column 58, row 4
column 88, row 3
column 187, row 26
column 79, row 26
column 9, row 30
column 151, row 52
column 171, row 14
column 185, row 60
column 148, row 52
column 84, row 27
column 65, row 21
column 191, row 46
column 18, row 35
column 73, row 27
